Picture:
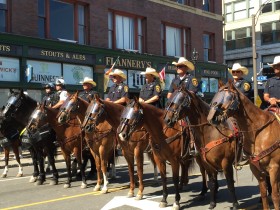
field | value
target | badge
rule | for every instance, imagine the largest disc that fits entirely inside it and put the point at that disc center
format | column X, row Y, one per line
column 125, row 89
column 158, row 88
column 246, row 86
column 194, row 82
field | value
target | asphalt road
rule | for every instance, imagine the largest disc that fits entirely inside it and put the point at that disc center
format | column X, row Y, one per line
column 18, row 193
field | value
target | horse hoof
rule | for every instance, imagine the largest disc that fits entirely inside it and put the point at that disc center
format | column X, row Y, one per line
column 104, row 191
column 32, row 179
column 139, row 197
column 66, row 186
column 175, row 206
column 84, row 185
column 96, row 188
column 162, row 204
column 39, row 182
column 19, row 175
column 130, row 195
column 48, row 170
column 3, row 175
column 212, row 205
column 54, row 182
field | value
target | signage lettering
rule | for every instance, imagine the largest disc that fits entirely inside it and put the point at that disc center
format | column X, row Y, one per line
column 57, row 54
column 44, row 78
column 5, row 48
column 211, row 72
column 128, row 63
column 13, row 70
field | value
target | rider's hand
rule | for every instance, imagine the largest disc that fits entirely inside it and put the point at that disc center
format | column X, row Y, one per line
column 141, row 100
column 272, row 101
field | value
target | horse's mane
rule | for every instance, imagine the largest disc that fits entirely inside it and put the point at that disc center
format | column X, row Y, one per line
column 155, row 110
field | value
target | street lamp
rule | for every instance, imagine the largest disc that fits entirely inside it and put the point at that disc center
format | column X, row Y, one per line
column 194, row 55
column 254, row 22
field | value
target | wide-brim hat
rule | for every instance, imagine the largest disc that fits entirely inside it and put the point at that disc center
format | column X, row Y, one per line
column 185, row 62
column 88, row 80
column 151, row 71
column 118, row 72
column 275, row 61
column 237, row 66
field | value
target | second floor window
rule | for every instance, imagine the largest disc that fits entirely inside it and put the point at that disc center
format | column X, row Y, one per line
column 208, row 46
column 238, row 39
column 126, row 32
column 62, row 20
column 270, row 32
column 3, row 16
column 175, row 41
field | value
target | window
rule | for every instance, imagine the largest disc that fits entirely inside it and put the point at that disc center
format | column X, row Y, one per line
column 228, row 11
column 53, row 14
column 270, row 6
column 211, row 84
column 208, row 45
column 175, row 40
column 238, row 39
column 240, row 11
column 270, row 32
column 3, row 16
column 208, row 5
column 126, row 32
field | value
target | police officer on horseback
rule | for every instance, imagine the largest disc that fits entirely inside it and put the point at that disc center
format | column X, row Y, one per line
column 49, row 98
column 88, row 92
column 183, row 67
column 151, row 91
column 61, row 93
column 272, row 86
column 239, row 82
column 118, row 93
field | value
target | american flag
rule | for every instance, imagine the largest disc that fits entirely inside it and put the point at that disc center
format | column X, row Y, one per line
column 162, row 74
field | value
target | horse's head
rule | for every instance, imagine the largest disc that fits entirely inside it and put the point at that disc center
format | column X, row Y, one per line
column 37, row 119
column 131, row 119
column 13, row 104
column 70, row 105
column 94, row 115
column 224, row 104
column 175, row 110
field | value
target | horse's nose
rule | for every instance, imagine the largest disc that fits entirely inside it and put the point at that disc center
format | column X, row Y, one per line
column 123, row 136
column 88, row 128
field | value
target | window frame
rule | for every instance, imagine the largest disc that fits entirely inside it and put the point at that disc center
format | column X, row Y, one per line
column 211, row 49
column 7, row 16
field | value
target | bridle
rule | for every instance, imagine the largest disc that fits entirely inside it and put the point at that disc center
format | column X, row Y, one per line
column 69, row 107
column 12, row 106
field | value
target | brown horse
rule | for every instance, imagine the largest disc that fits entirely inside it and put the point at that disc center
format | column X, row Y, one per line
column 9, row 136
column 217, row 145
column 261, row 132
column 100, row 142
column 167, row 143
column 69, row 137
column 108, row 113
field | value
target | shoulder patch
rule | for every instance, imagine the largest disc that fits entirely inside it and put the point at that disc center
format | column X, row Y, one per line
column 125, row 88
column 246, row 86
column 158, row 89
column 194, row 82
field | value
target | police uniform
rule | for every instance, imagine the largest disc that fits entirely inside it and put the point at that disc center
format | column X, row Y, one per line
column 118, row 91
column 50, row 99
column 272, row 87
column 86, row 95
column 189, row 80
column 150, row 90
column 244, row 86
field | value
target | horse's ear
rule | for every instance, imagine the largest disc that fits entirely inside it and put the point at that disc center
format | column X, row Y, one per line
column 96, row 97
column 127, row 101
column 220, row 83
column 135, row 98
column 230, row 84
column 11, row 91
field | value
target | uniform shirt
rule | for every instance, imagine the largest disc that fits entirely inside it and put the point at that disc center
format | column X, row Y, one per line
column 150, row 90
column 86, row 95
column 272, row 87
column 62, row 95
column 49, row 99
column 244, row 86
column 190, row 81
column 117, row 91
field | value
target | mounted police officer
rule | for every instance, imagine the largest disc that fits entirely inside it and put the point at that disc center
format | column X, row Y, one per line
column 49, row 98
column 272, row 86
column 88, row 92
column 183, row 67
column 151, row 91
column 61, row 93
column 190, row 83
column 239, row 82
column 118, row 93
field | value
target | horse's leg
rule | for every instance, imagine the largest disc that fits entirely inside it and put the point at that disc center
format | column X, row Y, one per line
column 6, row 169
column 104, row 156
column 51, row 160
column 41, row 161
column 111, row 166
column 175, row 165
column 162, row 169
column 92, row 172
column 213, row 187
column 78, row 154
column 67, row 159
column 262, row 185
column 35, row 165
column 204, row 176
column 130, row 163
column 151, row 156
column 16, row 151
column 139, row 154
column 228, row 171
column 98, row 172
column 274, row 175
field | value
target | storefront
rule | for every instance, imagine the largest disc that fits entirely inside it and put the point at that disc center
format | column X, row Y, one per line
column 50, row 59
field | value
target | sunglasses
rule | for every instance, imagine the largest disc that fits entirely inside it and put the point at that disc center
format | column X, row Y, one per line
column 236, row 72
column 179, row 67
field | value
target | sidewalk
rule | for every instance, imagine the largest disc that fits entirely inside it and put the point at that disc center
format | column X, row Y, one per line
column 26, row 160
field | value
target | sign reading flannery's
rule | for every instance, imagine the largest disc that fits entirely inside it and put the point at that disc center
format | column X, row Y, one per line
column 128, row 63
